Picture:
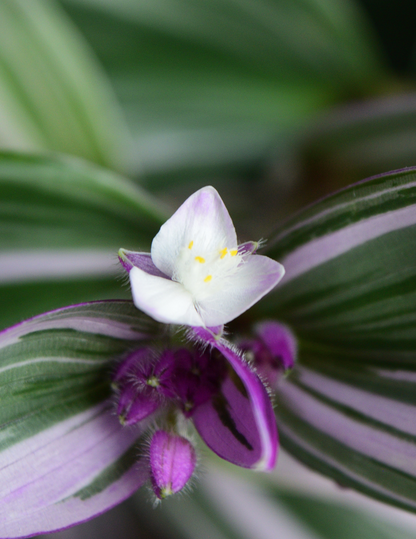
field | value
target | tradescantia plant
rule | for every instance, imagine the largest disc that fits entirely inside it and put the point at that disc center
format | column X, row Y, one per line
column 100, row 398
column 346, row 408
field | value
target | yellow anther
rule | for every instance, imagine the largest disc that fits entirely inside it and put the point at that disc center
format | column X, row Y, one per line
column 223, row 252
column 200, row 259
column 234, row 252
column 190, row 245
column 207, row 278
column 153, row 381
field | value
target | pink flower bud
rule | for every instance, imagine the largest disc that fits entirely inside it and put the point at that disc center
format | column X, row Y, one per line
column 274, row 350
column 172, row 463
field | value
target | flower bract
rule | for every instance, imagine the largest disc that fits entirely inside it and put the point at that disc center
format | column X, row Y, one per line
column 214, row 387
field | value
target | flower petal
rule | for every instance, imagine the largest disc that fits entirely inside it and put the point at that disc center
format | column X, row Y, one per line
column 239, row 424
column 143, row 261
column 68, row 473
column 164, row 300
column 255, row 278
column 202, row 219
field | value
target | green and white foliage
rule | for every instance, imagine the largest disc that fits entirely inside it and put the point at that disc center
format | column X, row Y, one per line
column 62, row 222
column 349, row 294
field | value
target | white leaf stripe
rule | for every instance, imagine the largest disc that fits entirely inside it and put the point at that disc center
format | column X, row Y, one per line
column 385, row 410
column 383, row 447
column 397, row 374
column 45, row 361
column 22, row 449
column 313, row 452
column 344, row 203
column 64, row 319
column 326, row 248
column 68, row 360
column 41, row 264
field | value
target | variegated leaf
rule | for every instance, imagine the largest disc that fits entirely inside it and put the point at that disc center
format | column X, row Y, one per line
column 349, row 407
column 62, row 222
column 53, row 95
column 64, row 457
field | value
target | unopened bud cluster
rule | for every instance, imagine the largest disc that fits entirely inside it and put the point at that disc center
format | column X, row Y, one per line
column 212, row 385
column 167, row 381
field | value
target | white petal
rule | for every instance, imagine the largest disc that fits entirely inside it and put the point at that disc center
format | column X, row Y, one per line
column 253, row 279
column 164, row 300
column 202, row 219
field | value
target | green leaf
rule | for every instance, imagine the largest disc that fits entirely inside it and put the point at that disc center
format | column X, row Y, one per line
column 210, row 84
column 349, row 295
column 62, row 222
column 53, row 94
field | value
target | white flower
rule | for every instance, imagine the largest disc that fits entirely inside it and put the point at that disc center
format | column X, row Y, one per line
column 196, row 274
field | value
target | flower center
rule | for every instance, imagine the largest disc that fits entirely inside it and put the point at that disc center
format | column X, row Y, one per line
column 203, row 272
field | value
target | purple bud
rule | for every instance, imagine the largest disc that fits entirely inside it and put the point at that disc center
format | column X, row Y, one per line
column 128, row 364
column 134, row 406
column 274, row 350
column 143, row 381
column 162, row 374
column 280, row 341
column 172, row 463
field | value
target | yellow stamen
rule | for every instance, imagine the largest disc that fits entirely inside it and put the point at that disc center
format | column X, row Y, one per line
column 234, row 252
column 190, row 244
column 200, row 259
column 223, row 252
column 153, row 381
column 207, row 278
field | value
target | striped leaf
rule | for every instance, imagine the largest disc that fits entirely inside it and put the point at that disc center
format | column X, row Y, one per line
column 349, row 407
column 64, row 220
column 53, row 93
column 226, row 506
column 64, row 455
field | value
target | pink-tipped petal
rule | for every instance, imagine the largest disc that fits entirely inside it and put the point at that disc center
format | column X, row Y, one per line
column 254, row 279
column 202, row 219
column 143, row 261
column 248, row 248
column 164, row 300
